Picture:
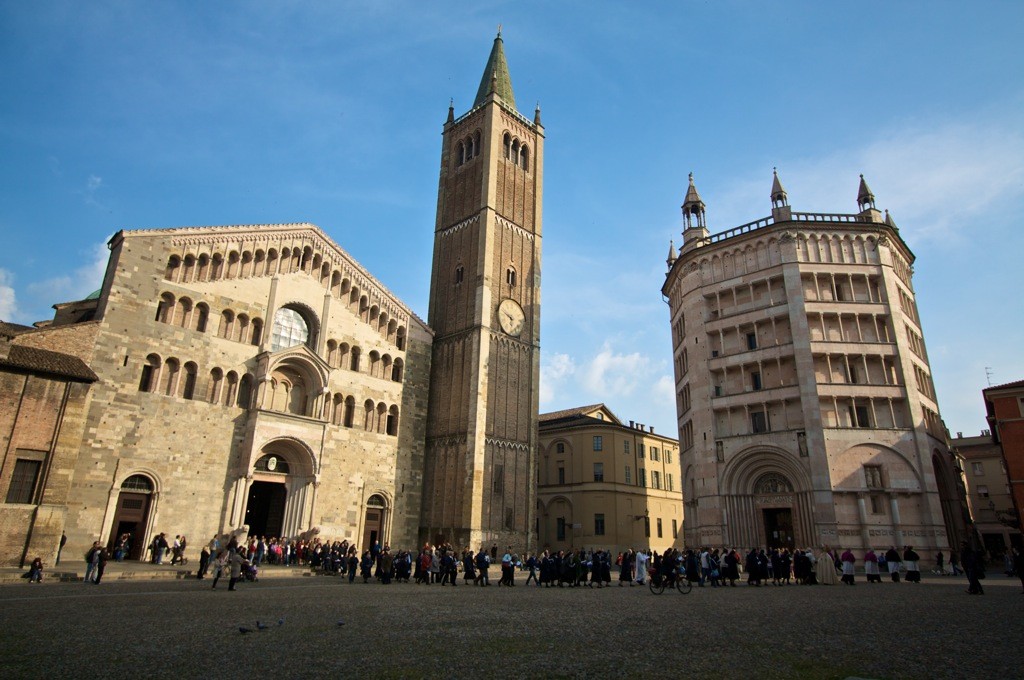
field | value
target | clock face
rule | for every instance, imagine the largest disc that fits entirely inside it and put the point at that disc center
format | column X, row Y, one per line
column 511, row 317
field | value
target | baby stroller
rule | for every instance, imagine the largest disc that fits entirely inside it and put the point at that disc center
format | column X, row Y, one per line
column 251, row 572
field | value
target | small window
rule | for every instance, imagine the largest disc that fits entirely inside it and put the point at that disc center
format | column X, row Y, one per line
column 877, row 505
column 598, row 443
column 861, row 416
column 755, row 380
column 982, row 490
column 751, row 340
column 647, row 527
column 668, row 481
column 561, row 475
column 675, row 528
column 659, row 527
column 460, row 273
column 758, row 422
column 560, row 447
column 510, row 277
column 668, row 456
column 629, row 475
column 599, row 524
column 654, row 453
column 23, row 481
column 640, row 449
column 642, row 477
column 978, row 469
column 598, row 472
column 625, row 447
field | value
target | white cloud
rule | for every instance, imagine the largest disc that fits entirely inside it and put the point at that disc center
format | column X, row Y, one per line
column 553, row 372
column 615, row 375
column 8, row 301
column 92, row 186
column 933, row 179
column 78, row 283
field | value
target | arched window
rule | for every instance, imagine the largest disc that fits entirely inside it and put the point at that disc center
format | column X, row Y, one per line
column 188, row 387
column 232, row 264
column 380, row 418
column 245, row 391
column 291, row 328
column 204, row 268
column 243, row 328
column 507, row 142
column 173, row 265
column 246, row 264
column 217, row 267
column 286, row 261
column 460, row 154
column 368, row 411
column 216, row 380
column 350, row 411
column 306, row 263
column 257, row 331
column 259, row 263
column 169, row 377
column 396, row 370
column 354, row 365
column 515, row 152
column 392, row 423
column 150, row 373
column 231, row 388
column 460, row 273
column 374, row 363
column 510, row 277
column 332, row 353
column 337, row 410
column 342, row 355
column 336, row 284
column 227, row 322
column 183, row 312
column 188, row 269
column 524, row 157
column 400, row 338
column 271, row 262
column 201, row 317
column 165, row 308
column 476, row 143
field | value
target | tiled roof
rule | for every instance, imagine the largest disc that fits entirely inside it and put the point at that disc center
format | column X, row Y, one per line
column 45, row 361
column 569, row 412
column 9, row 330
column 1006, row 386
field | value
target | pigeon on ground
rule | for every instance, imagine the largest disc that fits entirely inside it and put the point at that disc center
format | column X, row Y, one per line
column 341, row 623
column 243, row 630
column 261, row 626
column 280, row 621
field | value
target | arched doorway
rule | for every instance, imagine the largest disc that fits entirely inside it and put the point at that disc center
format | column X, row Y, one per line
column 374, row 522
column 264, row 507
column 131, row 514
column 773, row 496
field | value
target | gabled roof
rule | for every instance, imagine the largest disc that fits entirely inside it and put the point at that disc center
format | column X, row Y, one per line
column 598, row 412
column 496, row 77
column 50, row 363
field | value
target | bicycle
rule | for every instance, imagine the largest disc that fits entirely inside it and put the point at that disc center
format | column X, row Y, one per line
column 658, row 583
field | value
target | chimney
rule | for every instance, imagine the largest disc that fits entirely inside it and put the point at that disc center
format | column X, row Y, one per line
column 652, row 429
column 631, row 424
column 959, row 435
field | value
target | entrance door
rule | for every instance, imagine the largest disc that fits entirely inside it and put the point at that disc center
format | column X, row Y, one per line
column 372, row 527
column 778, row 528
column 264, row 511
column 130, row 518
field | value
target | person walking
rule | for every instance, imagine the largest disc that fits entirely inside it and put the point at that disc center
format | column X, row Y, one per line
column 219, row 565
column 893, row 560
column 91, row 562
column 849, row 562
column 204, row 562
column 871, row 567
column 236, row 561
column 910, row 562
column 974, row 567
column 101, row 563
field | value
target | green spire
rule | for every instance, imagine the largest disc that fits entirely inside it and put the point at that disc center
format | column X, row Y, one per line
column 496, row 78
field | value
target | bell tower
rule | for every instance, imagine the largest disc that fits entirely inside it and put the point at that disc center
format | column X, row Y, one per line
column 481, row 446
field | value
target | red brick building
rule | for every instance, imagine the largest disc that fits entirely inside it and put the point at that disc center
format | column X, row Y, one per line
column 1004, row 405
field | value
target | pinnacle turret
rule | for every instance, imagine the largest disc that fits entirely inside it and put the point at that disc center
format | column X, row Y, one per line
column 693, row 207
column 865, row 199
column 779, row 198
column 672, row 257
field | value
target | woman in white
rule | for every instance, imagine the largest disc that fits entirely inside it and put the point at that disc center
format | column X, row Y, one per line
column 641, row 567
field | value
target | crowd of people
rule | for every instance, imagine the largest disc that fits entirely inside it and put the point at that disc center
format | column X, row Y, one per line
column 445, row 565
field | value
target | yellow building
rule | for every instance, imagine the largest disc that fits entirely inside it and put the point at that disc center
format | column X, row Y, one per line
column 606, row 485
column 988, row 491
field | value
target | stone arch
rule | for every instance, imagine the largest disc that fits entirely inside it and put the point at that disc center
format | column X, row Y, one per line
column 279, row 339
column 301, row 458
column 748, row 465
column 295, row 384
column 897, row 467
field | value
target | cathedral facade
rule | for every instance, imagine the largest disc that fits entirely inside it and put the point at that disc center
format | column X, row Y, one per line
column 257, row 379
column 806, row 410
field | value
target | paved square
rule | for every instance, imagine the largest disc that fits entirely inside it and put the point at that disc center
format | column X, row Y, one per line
column 184, row 629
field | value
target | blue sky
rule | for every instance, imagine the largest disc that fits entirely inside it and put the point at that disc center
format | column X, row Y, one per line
column 143, row 115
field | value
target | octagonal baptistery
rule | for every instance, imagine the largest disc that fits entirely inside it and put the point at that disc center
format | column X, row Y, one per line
column 806, row 410
column 253, row 380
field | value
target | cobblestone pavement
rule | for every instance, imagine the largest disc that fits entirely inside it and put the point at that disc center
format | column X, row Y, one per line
column 177, row 628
